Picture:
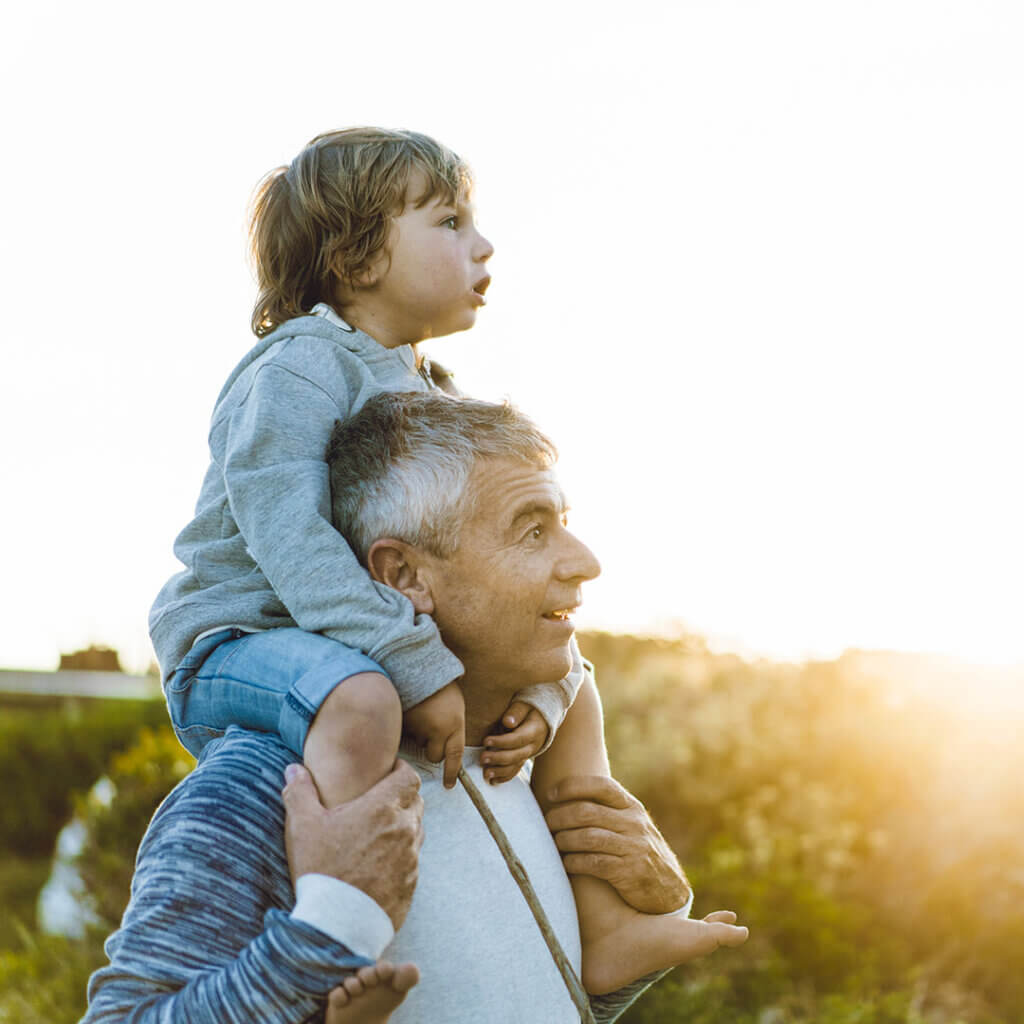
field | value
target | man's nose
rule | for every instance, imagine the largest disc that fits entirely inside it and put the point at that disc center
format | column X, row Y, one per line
column 578, row 561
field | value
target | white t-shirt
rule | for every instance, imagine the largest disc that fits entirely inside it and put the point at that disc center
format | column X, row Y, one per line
column 469, row 930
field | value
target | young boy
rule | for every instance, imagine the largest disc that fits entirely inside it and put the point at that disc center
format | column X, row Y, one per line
column 364, row 246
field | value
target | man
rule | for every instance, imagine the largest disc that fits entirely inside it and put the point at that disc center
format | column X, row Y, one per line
column 207, row 935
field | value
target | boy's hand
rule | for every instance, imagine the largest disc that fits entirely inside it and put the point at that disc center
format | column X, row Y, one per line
column 439, row 724
column 505, row 753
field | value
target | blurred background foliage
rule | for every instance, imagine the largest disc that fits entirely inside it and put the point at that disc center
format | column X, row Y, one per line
column 868, row 833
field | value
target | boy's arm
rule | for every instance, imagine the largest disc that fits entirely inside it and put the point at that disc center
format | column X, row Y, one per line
column 278, row 489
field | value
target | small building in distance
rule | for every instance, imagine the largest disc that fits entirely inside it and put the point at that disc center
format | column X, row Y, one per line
column 92, row 659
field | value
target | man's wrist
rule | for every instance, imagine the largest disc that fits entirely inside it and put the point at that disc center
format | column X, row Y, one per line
column 684, row 910
column 347, row 914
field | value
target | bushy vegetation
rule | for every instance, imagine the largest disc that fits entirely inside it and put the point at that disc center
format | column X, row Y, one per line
column 869, row 837
column 51, row 748
column 44, row 978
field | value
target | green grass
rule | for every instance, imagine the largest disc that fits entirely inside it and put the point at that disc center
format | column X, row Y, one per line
column 21, row 878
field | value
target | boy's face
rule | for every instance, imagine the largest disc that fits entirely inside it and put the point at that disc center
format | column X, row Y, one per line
column 432, row 278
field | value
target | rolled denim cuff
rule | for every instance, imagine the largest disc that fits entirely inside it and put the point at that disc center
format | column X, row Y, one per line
column 307, row 694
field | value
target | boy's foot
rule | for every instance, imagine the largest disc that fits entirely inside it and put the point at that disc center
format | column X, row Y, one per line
column 372, row 994
column 643, row 943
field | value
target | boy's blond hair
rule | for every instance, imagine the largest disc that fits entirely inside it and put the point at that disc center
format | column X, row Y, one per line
column 321, row 221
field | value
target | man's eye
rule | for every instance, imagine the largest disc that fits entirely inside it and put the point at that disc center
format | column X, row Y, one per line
column 536, row 532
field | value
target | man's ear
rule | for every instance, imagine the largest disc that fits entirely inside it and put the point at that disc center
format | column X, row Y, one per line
column 401, row 566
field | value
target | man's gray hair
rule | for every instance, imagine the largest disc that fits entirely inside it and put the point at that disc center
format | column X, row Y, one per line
column 400, row 467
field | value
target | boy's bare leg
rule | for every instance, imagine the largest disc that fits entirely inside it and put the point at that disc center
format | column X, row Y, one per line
column 620, row 944
column 354, row 738
column 372, row 994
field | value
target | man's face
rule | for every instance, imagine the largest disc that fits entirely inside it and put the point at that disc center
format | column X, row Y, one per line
column 503, row 601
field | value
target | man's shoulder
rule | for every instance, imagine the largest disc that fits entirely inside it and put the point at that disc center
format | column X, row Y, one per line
column 241, row 772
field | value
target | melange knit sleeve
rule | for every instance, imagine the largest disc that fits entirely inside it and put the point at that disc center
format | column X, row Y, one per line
column 610, row 1007
column 273, row 446
column 553, row 700
column 207, row 937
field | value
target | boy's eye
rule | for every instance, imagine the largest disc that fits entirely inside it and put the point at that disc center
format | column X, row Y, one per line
column 450, row 222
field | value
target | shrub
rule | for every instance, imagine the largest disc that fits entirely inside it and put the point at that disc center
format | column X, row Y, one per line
column 49, row 749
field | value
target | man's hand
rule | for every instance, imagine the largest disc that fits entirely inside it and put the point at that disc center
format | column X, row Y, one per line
column 507, row 752
column 439, row 724
column 372, row 842
column 604, row 831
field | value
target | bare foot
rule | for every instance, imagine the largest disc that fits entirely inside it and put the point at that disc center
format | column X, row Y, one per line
column 644, row 943
column 371, row 995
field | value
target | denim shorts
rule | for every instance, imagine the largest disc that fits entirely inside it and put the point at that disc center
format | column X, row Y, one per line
column 274, row 681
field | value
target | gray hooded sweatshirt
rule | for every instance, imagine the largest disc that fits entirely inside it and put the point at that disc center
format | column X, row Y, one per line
column 262, row 553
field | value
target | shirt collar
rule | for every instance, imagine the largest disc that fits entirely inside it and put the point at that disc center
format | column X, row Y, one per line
column 404, row 352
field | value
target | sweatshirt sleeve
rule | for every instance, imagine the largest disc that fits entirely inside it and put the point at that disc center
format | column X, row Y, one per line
column 206, row 937
column 279, row 493
column 553, row 700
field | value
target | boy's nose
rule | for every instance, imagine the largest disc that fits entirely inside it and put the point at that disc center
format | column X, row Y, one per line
column 484, row 249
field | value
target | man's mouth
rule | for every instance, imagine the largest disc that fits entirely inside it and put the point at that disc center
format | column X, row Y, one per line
column 560, row 614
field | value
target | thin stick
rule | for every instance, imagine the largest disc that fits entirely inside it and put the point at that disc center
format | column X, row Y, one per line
column 515, row 866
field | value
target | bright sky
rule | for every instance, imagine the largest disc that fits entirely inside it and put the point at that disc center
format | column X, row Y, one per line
column 758, row 271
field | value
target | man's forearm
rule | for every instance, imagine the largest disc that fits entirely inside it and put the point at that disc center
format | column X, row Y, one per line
column 281, row 977
column 207, row 937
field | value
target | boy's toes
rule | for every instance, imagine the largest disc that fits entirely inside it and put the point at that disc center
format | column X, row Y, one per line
column 730, row 935
column 722, row 916
column 354, row 985
column 338, row 998
column 405, row 976
column 385, row 972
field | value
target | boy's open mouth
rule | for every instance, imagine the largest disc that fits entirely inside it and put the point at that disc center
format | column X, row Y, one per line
column 481, row 286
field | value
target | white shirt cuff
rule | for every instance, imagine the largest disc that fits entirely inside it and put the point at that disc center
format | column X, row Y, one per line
column 344, row 912
column 683, row 911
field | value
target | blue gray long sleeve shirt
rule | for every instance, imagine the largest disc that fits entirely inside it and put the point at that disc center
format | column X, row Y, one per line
column 208, row 937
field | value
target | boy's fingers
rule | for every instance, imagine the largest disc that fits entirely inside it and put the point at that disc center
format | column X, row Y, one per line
column 496, row 775
column 453, row 761
column 435, row 750
column 506, row 741
column 497, row 758
column 514, row 714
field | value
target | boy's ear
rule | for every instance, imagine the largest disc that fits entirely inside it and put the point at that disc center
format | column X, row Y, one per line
column 367, row 277
column 400, row 566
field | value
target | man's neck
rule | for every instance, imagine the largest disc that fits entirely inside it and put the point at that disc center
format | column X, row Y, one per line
column 484, row 708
